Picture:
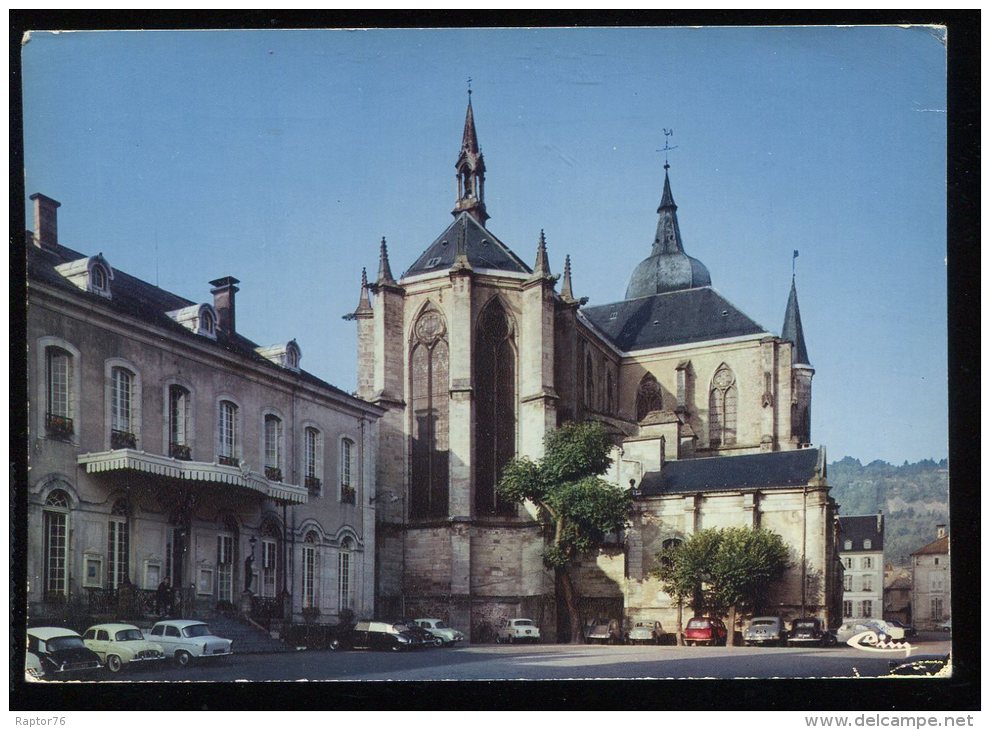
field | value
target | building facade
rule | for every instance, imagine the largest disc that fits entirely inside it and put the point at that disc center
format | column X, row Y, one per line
column 475, row 356
column 931, row 595
column 861, row 553
column 164, row 446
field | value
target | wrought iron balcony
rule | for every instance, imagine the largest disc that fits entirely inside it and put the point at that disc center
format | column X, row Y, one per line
column 313, row 484
column 180, row 451
column 58, row 427
column 347, row 494
column 228, row 460
column 122, row 440
column 273, row 474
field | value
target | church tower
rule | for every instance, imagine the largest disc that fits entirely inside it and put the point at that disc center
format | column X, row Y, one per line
column 460, row 350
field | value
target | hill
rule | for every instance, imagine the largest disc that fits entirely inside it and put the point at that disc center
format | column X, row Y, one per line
column 913, row 497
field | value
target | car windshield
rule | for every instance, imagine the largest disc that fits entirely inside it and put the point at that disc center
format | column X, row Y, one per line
column 129, row 635
column 440, row 625
column 196, row 630
column 523, row 622
column 764, row 622
column 698, row 623
column 65, row 642
column 804, row 624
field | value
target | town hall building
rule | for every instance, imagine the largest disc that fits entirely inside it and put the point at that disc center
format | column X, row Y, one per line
column 474, row 354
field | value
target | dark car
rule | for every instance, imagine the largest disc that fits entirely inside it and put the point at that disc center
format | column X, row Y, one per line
column 909, row 631
column 426, row 638
column 709, row 631
column 922, row 665
column 62, row 653
column 377, row 635
column 808, row 631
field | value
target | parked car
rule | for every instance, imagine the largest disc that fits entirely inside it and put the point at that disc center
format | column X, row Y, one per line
column 604, row 630
column 706, row 630
column 33, row 671
column 808, row 631
column 765, row 630
column 61, row 653
column 518, row 629
column 120, row 644
column 185, row 640
column 426, row 638
column 857, row 626
column 921, row 665
column 944, row 625
column 909, row 631
column 368, row 634
column 646, row 632
column 438, row 628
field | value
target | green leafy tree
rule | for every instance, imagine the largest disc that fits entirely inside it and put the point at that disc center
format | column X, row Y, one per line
column 727, row 570
column 576, row 506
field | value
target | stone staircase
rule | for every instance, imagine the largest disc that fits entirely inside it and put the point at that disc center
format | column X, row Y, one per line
column 248, row 638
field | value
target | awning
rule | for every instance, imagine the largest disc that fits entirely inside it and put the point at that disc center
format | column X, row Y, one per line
column 196, row 471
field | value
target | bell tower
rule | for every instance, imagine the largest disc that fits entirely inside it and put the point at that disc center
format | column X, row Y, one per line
column 470, row 168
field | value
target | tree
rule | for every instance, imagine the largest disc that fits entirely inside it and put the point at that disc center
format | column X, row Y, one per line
column 576, row 506
column 723, row 570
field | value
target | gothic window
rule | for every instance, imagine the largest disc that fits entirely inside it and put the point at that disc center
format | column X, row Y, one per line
column 227, row 436
column 309, row 570
column 495, row 382
column 56, row 532
column 589, row 384
column 273, row 447
column 313, row 459
column 118, row 545
column 429, row 366
column 722, row 404
column 666, row 551
column 344, row 588
column 347, row 490
column 178, row 422
column 609, row 393
column 648, row 397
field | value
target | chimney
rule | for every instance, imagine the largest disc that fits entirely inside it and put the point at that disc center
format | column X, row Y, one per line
column 663, row 450
column 45, row 221
column 940, row 530
column 223, row 301
column 880, row 522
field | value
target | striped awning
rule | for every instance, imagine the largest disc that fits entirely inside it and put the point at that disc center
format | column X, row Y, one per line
column 196, row 471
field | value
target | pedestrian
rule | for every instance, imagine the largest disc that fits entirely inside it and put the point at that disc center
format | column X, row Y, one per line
column 163, row 599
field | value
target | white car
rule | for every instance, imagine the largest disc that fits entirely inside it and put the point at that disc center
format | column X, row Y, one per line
column 120, row 644
column 518, row 629
column 185, row 640
column 449, row 636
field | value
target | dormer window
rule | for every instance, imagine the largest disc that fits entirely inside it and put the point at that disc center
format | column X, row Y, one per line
column 92, row 274
column 286, row 356
column 198, row 318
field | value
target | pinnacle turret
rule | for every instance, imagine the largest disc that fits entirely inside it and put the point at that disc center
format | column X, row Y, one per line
column 542, row 266
column 384, row 269
column 364, row 303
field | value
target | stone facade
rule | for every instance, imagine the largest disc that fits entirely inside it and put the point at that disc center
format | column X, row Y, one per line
column 164, row 446
column 931, row 584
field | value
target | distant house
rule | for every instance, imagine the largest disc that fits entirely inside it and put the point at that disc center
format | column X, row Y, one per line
column 897, row 594
column 931, row 598
column 860, row 546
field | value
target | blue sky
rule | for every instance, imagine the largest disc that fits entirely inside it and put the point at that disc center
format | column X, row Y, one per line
column 283, row 157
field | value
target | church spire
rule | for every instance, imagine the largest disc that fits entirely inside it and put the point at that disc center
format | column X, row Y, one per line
column 792, row 329
column 542, row 266
column 668, row 238
column 364, row 303
column 470, row 168
column 566, row 289
column 384, row 269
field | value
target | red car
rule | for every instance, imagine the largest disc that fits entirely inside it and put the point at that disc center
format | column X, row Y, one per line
column 709, row 631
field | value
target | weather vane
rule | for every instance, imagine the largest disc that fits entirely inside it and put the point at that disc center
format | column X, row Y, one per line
column 469, row 86
column 666, row 147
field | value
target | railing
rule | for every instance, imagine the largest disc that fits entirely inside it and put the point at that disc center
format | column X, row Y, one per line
column 122, row 440
column 122, row 602
column 265, row 611
column 180, row 451
column 313, row 484
column 58, row 427
column 228, row 460
column 347, row 494
column 273, row 474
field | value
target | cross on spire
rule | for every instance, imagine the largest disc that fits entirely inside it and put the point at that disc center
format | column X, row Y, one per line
column 666, row 147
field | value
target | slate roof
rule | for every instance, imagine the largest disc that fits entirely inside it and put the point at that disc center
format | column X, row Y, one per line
column 792, row 329
column 139, row 299
column 732, row 473
column 673, row 318
column 937, row 547
column 859, row 528
column 483, row 249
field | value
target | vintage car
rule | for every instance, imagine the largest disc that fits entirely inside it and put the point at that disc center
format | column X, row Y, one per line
column 647, row 632
column 603, row 630
column 808, row 632
column 185, row 640
column 909, row 631
column 368, row 634
column 706, row 630
column 426, row 638
column 764, row 630
column 438, row 628
column 882, row 629
column 120, row 644
column 944, row 625
column 61, row 653
column 33, row 671
column 518, row 629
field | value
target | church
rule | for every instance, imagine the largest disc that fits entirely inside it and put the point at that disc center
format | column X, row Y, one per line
column 474, row 354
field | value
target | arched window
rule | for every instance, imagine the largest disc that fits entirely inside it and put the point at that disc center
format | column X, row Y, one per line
column 495, row 387
column 207, row 323
column 312, row 460
column 178, row 423
column 118, row 545
column 270, row 539
column 648, row 397
column 345, row 598
column 228, row 446
column 273, row 447
column 667, row 549
column 722, row 403
column 589, row 384
column 58, row 378
column 310, row 544
column 430, row 388
column 348, row 492
column 55, row 518
column 98, row 278
column 122, row 409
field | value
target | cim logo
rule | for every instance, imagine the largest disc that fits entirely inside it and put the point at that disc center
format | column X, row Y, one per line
column 871, row 641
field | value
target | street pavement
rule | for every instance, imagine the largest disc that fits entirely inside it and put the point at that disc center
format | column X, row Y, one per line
column 538, row 662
